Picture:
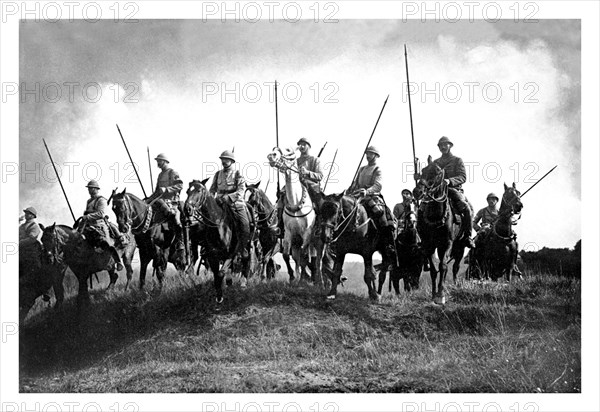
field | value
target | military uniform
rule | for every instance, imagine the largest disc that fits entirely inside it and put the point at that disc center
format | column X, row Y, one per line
column 168, row 187
column 487, row 216
column 229, row 187
column 455, row 172
column 401, row 211
column 370, row 179
column 29, row 231
column 95, row 227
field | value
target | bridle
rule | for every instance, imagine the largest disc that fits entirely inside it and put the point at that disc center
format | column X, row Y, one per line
column 56, row 253
column 429, row 192
column 196, row 207
column 511, row 207
column 260, row 209
column 129, row 216
column 339, row 229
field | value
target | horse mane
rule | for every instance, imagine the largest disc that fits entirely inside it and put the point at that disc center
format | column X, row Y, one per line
column 328, row 207
column 262, row 197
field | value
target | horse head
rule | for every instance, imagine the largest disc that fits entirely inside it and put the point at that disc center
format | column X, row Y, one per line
column 196, row 196
column 122, row 210
column 282, row 159
column 51, row 245
column 330, row 212
column 511, row 201
column 431, row 183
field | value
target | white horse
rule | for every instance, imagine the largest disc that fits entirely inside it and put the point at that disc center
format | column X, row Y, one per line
column 298, row 214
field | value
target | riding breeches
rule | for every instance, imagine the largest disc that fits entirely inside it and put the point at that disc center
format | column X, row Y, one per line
column 242, row 224
column 461, row 205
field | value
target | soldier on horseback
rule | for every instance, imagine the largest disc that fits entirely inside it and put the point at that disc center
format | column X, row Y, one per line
column 487, row 216
column 311, row 174
column 367, row 187
column 93, row 224
column 403, row 209
column 29, row 231
column 455, row 176
column 229, row 186
column 168, row 187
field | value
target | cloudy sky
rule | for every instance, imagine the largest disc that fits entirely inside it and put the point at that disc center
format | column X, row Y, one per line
column 508, row 95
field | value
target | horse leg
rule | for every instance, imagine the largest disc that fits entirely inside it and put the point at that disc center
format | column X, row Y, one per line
column 337, row 273
column 218, row 277
column 440, row 297
column 59, row 289
column 433, row 273
column 83, row 296
column 113, row 276
column 369, row 277
column 382, row 277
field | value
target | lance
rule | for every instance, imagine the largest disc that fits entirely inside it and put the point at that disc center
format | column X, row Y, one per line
column 330, row 169
column 321, row 151
column 131, row 160
column 277, row 133
column 59, row 181
column 412, row 133
column 539, row 181
column 150, row 167
column 369, row 142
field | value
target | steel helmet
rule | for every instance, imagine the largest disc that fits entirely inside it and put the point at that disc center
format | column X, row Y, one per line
column 31, row 210
column 444, row 139
column 162, row 157
column 406, row 191
column 492, row 195
column 227, row 154
column 373, row 150
column 93, row 183
column 303, row 140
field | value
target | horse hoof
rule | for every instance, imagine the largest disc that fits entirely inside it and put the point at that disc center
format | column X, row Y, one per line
column 330, row 297
column 219, row 300
column 244, row 283
column 440, row 300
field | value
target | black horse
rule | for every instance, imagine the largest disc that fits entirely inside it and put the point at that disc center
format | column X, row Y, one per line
column 497, row 249
column 218, row 230
column 410, row 258
column 156, row 240
column 266, row 225
column 437, row 227
column 346, row 228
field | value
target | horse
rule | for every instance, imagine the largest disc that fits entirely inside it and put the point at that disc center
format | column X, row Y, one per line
column 410, row 258
column 437, row 226
column 496, row 252
column 216, row 227
column 155, row 240
column 298, row 214
column 266, row 224
column 346, row 228
column 37, row 276
column 67, row 246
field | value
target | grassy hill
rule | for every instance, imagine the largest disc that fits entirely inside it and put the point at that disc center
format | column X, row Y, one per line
column 277, row 337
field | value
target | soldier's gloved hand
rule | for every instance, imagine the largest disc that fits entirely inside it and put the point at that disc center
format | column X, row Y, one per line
column 162, row 190
column 361, row 192
column 417, row 176
column 303, row 171
column 447, row 181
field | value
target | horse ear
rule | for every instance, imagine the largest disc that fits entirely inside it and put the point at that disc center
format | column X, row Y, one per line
column 505, row 187
column 53, row 226
column 429, row 159
column 258, row 184
column 514, row 186
column 204, row 181
column 123, row 192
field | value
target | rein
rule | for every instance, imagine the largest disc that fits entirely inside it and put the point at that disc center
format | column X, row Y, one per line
column 146, row 220
column 199, row 216
column 339, row 229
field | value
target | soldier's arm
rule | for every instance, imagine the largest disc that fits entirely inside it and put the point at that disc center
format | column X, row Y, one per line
column 240, row 188
column 316, row 174
column 460, row 176
column 34, row 231
column 476, row 220
column 100, row 211
column 214, row 184
column 376, row 187
column 176, row 184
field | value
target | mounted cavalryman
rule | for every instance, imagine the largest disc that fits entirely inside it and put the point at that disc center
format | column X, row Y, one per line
column 403, row 209
column 455, row 176
column 487, row 216
column 93, row 224
column 367, row 187
column 311, row 174
column 168, row 187
column 29, row 231
column 229, row 186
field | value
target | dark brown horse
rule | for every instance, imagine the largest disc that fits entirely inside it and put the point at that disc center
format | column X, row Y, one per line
column 497, row 250
column 436, row 226
column 266, row 225
column 217, row 228
column 410, row 259
column 346, row 228
column 37, row 276
column 66, row 246
column 155, row 239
